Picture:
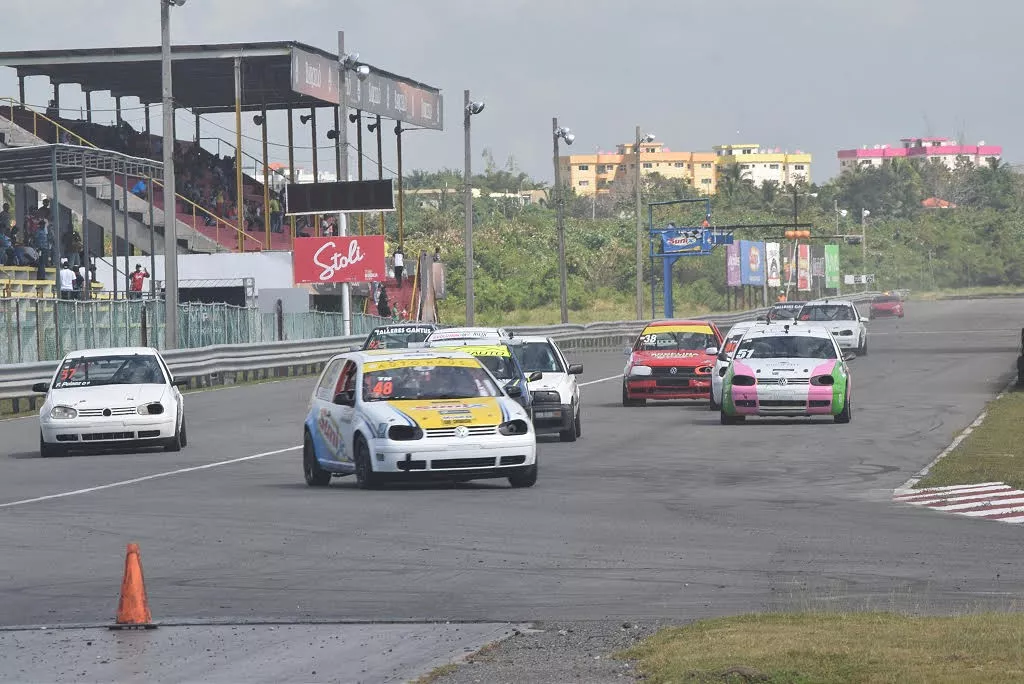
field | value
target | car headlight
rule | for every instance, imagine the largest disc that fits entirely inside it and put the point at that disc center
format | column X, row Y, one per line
column 743, row 380
column 640, row 370
column 513, row 427
column 154, row 409
column 382, row 430
column 703, row 370
column 546, row 397
column 404, row 433
column 819, row 380
column 723, row 371
column 63, row 413
column 845, row 332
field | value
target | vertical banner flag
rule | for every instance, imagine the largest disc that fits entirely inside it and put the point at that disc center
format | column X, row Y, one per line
column 751, row 262
column 772, row 256
column 803, row 268
column 832, row 266
column 732, row 265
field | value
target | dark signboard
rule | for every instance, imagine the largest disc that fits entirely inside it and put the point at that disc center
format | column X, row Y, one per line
column 391, row 96
column 342, row 196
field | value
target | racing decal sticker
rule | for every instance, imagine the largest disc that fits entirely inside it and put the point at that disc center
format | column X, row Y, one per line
column 670, row 355
column 677, row 329
column 446, row 412
column 428, row 361
column 482, row 350
column 330, row 432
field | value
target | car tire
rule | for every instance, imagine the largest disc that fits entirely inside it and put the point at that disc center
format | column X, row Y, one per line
column 179, row 440
column 524, row 477
column 846, row 415
column 51, row 450
column 315, row 475
column 725, row 419
column 365, row 477
column 626, row 401
column 862, row 350
column 712, row 404
column 571, row 434
column 578, row 423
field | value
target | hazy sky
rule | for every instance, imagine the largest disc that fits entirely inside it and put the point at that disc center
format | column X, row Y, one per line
column 816, row 75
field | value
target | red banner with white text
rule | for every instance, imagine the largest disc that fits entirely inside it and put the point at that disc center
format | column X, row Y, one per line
column 352, row 259
column 803, row 268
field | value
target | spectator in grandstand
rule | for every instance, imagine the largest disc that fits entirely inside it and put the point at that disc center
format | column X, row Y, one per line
column 5, row 217
column 80, row 283
column 42, row 241
column 67, row 281
column 398, row 260
column 275, row 213
column 6, row 248
column 139, row 189
column 383, row 310
column 73, row 247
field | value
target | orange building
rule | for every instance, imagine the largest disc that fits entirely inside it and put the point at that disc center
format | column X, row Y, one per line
column 602, row 172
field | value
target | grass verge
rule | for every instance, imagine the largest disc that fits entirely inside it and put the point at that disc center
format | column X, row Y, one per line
column 851, row 647
column 993, row 452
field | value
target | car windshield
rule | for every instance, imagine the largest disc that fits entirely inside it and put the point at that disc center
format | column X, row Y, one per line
column 396, row 338
column 538, row 356
column 887, row 299
column 675, row 339
column 827, row 312
column 426, row 379
column 95, row 371
column 787, row 312
column 731, row 343
column 786, row 347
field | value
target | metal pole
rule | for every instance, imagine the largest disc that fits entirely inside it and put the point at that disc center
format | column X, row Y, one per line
column 170, row 215
column 266, row 179
column 239, row 186
column 639, row 237
column 87, row 290
column 380, row 168
column 559, row 214
column 152, row 245
column 341, row 116
column 864, row 247
column 199, row 134
column 359, row 159
column 401, row 188
column 127, row 245
column 337, row 143
column 291, row 159
column 113, row 231
column 88, row 106
column 149, row 143
column 316, row 167
column 469, row 211
column 55, row 231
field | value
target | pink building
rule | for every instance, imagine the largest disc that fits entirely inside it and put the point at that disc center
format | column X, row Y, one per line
column 943, row 150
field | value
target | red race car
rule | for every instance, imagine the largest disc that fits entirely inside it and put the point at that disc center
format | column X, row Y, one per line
column 671, row 360
column 886, row 305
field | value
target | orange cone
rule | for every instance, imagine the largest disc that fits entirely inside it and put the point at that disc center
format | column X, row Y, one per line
column 133, row 609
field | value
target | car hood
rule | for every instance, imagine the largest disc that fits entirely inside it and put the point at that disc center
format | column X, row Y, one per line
column 685, row 359
column 788, row 368
column 440, row 413
column 107, row 396
column 550, row 382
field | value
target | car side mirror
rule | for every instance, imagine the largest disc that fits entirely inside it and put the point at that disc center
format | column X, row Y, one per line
column 576, row 369
column 514, row 390
column 722, row 372
column 864, row 319
column 535, row 376
column 178, row 382
column 345, row 398
column 849, row 356
column 41, row 387
column 628, row 351
column 723, row 357
column 711, row 351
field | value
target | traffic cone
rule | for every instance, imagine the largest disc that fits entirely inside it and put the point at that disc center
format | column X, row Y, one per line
column 133, row 608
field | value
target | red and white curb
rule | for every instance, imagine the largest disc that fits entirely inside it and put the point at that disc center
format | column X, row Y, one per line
column 988, row 500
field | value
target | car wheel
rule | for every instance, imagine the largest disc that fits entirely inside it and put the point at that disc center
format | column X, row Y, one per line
column 846, row 415
column 570, row 434
column 314, row 474
column 626, row 401
column 51, row 450
column 365, row 477
column 184, row 433
column 712, row 404
column 179, row 439
column 524, row 477
column 726, row 419
column 863, row 349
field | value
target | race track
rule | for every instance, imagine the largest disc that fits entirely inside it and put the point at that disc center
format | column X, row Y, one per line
column 657, row 512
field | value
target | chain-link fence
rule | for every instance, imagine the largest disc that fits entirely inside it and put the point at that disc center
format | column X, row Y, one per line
column 46, row 329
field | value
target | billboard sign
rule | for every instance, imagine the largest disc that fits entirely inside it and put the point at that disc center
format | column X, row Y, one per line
column 774, row 259
column 383, row 93
column 340, row 196
column 832, row 266
column 803, row 268
column 355, row 259
column 732, row 265
column 818, row 267
column 751, row 262
column 686, row 241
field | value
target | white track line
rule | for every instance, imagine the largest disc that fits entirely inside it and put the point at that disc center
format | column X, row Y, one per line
column 145, row 478
column 594, row 382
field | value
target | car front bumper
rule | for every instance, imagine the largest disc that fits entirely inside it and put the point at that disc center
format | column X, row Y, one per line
column 806, row 400
column 89, row 432
column 499, row 455
column 552, row 418
column 647, row 387
column 848, row 341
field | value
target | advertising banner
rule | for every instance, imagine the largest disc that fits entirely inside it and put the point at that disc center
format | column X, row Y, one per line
column 751, row 262
column 803, row 268
column 774, row 258
column 818, row 267
column 732, row 265
column 832, row 266
column 356, row 259
column 686, row 241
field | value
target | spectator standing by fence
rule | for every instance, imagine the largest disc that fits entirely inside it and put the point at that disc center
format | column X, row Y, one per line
column 399, row 263
column 137, row 281
column 67, row 281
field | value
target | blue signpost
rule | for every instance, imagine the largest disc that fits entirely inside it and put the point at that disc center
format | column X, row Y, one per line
column 679, row 242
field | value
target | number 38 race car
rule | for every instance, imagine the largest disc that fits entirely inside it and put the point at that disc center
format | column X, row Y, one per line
column 670, row 360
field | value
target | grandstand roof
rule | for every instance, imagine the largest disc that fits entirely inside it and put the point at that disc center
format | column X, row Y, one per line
column 203, row 75
column 35, row 164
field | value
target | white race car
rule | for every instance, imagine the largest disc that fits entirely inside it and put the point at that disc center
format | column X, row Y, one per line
column 111, row 397
column 435, row 338
column 842, row 319
column 415, row 414
column 732, row 340
column 556, row 395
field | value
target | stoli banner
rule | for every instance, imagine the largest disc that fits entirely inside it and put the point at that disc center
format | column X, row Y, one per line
column 353, row 259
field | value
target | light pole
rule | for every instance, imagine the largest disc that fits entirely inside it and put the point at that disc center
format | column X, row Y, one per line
column 170, row 215
column 640, row 139
column 346, row 63
column 864, row 213
column 566, row 135
column 470, row 108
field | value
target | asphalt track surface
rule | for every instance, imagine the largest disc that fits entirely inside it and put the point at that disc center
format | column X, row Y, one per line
column 657, row 512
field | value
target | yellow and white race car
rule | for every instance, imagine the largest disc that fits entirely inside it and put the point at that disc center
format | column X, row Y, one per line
column 412, row 414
